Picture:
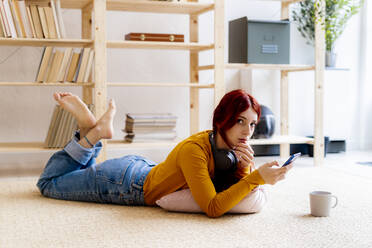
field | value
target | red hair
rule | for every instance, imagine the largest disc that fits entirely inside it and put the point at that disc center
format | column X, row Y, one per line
column 230, row 107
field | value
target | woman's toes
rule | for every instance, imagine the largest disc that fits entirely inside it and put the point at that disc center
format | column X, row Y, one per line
column 112, row 104
column 57, row 96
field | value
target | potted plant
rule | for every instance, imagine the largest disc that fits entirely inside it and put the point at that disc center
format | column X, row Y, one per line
column 337, row 14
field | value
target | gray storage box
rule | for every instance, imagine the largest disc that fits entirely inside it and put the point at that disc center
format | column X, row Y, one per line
column 259, row 42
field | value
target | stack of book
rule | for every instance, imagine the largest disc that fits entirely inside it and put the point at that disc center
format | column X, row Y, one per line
column 65, row 65
column 150, row 127
column 61, row 129
column 31, row 19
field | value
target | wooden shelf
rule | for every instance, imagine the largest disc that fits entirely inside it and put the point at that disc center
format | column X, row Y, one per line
column 284, row 1
column 45, row 42
column 153, row 6
column 282, row 140
column 64, row 84
column 119, row 144
column 159, row 7
column 282, row 67
column 192, row 85
column 23, row 147
column 75, row 4
column 272, row 141
column 159, row 45
column 144, row 6
column 112, row 144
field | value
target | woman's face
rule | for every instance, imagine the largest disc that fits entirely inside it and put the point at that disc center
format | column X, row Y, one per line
column 243, row 128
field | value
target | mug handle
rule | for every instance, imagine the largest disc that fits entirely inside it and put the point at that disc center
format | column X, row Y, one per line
column 335, row 202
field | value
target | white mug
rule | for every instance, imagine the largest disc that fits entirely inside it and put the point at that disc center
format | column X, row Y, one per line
column 321, row 203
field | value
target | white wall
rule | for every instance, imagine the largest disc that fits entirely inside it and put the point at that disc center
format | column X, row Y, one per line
column 364, row 109
column 25, row 111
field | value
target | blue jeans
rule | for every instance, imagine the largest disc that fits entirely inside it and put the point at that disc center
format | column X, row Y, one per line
column 72, row 174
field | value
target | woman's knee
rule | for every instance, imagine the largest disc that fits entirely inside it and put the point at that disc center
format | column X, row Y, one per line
column 42, row 184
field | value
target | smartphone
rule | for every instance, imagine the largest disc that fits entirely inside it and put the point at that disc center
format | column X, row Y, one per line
column 292, row 158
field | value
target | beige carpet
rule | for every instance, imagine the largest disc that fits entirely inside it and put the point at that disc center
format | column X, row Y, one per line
column 30, row 220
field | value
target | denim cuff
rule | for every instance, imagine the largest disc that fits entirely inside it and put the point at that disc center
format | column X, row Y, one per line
column 79, row 153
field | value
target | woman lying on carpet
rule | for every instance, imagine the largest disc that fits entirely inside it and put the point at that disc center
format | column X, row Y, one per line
column 216, row 166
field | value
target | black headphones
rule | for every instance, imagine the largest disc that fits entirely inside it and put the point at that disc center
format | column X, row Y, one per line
column 224, row 160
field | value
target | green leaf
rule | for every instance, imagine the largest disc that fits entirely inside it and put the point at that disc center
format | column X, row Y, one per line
column 333, row 20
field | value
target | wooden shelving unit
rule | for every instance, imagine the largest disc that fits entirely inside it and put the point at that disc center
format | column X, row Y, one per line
column 194, row 85
column 94, row 11
column 62, row 84
column 285, row 139
column 45, row 42
column 21, row 147
column 96, row 92
column 159, row 45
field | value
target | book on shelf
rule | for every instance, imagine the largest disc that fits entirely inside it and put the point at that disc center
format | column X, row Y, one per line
column 150, row 117
column 55, row 65
column 83, row 65
column 16, row 18
column 129, row 127
column 36, row 21
column 52, row 126
column 3, row 21
column 78, row 65
column 88, row 69
column 61, row 24
column 44, row 63
column 67, row 132
column 63, row 67
column 150, row 137
column 1, row 29
column 61, row 128
column 72, row 68
column 31, row 19
column 43, row 21
column 150, row 127
column 50, row 22
column 9, row 19
column 25, row 18
column 55, row 18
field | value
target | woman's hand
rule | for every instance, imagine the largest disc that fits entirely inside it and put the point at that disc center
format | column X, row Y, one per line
column 244, row 153
column 271, row 175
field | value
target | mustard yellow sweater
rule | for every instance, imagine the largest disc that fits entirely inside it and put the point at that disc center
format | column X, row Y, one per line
column 190, row 165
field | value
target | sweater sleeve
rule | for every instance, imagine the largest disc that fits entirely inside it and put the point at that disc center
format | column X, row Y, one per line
column 194, row 165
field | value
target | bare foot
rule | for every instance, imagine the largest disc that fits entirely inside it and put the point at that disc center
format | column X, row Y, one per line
column 77, row 108
column 105, row 123
column 104, row 128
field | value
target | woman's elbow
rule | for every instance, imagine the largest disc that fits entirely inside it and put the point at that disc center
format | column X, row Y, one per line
column 213, row 213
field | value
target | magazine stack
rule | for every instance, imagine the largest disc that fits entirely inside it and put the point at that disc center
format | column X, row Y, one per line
column 150, row 127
